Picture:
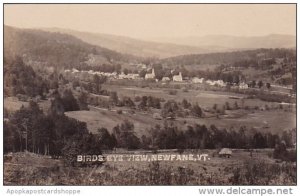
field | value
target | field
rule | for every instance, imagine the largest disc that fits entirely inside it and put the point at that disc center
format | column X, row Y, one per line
column 266, row 121
column 13, row 104
column 243, row 168
column 203, row 98
column 98, row 117
column 274, row 120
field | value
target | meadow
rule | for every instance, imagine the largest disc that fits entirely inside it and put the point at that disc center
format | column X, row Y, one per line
column 273, row 120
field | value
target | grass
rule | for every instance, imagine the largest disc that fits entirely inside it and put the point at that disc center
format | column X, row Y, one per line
column 241, row 169
column 276, row 120
column 97, row 118
column 203, row 98
column 13, row 104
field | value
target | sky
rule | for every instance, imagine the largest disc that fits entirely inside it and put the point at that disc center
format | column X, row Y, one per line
column 157, row 20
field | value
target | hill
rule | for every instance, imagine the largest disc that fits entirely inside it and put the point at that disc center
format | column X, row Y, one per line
column 133, row 46
column 57, row 49
column 230, row 57
column 228, row 42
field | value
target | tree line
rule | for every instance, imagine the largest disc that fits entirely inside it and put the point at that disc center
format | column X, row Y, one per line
column 58, row 135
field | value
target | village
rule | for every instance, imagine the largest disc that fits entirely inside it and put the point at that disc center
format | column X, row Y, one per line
column 152, row 76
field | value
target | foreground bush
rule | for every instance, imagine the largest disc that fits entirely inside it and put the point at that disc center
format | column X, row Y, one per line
column 261, row 173
column 255, row 173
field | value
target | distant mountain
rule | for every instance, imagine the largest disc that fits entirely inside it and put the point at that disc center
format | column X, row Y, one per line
column 57, row 49
column 135, row 47
column 227, row 42
column 242, row 57
column 61, row 47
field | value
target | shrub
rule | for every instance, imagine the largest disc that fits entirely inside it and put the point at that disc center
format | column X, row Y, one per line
column 185, row 90
column 137, row 99
column 261, row 173
column 197, row 111
column 172, row 92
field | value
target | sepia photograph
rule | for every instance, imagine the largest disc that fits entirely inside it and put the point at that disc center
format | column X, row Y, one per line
column 149, row 94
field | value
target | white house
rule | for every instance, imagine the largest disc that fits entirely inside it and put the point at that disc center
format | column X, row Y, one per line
column 91, row 72
column 128, row 76
column 220, row 83
column 150, row 75
column 133, row 76
column 75, row 70
column 243, row 85
column 210, row 82
column 197, row 80
column 142, row 66
column 177, row 78
column 165, row 79
column 121, row 76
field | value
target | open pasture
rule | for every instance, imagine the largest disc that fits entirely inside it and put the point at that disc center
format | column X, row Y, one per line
column 265, row 121
column 205, row 99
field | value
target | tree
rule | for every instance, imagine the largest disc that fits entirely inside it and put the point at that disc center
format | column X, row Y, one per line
column 142, row 73
column 11, row 143
column 185, row 104
column 280, row 151
column 57, row 106
column 118, row 68
column 69, row 101
column 287, row 137
column 70, row 152
column 145, row 142
column 80, row 144
column 20, row 78
column 107, row 141
column 236, row 79
column 82, row 101
column 169, row 109
column 143, row 103
column 98, row 80
column 253, row 84
column 236, row 106
column 215, row 106
column 125, row 136
column 259, row 140
column 197, row 111
column 128, row 102
column 229, row 79
column 113, row 98
column 159, row 71
column 227, row 106
column 125, row 71
column 260, row 84
column 42, row 135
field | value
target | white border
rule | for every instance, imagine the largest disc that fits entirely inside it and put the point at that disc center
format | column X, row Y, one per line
column 132, row 190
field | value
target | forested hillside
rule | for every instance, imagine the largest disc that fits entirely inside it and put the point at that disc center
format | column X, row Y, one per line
column 22, row 79
column 56, row 49
column 230, row 57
